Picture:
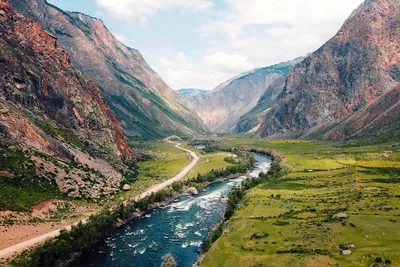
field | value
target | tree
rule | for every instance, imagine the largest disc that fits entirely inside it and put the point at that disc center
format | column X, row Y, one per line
column 168, row 261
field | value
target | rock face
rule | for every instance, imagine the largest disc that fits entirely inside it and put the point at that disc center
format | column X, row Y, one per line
column 379, row 119
column 358, row 65
column 48, row 107
column 251, row 121
column 221, row 108
column 142, row 102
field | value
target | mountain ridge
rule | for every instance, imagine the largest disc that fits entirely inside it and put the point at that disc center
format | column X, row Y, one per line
column 347, row 73
column 53, row 121
column 222, row 107
column 142, row 102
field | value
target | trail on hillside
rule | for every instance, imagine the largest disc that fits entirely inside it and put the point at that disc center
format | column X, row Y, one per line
column 10, row 251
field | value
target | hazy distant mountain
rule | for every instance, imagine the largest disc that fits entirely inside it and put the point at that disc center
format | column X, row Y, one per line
column 346, row 76
column 221, row 108
column 142, row 102
column 189, row 92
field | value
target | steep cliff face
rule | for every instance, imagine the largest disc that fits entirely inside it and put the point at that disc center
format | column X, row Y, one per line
column 142, row 102
column 378, row 120
column 221, row 108
column 49, row 108
column 350, row 71
column 251, row 121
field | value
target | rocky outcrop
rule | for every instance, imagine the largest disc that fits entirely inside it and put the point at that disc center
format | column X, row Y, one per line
column 378, row 120
column 53, row 112
column 221, row 108
column 358, row 65
column 140, row 99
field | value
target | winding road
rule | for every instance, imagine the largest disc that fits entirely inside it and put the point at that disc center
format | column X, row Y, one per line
column 18, row 248
column 179, row 176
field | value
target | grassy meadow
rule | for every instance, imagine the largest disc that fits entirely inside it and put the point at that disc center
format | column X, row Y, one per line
column 165, row 161
column 293, row 215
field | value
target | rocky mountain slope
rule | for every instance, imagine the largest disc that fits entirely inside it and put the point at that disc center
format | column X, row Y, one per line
column 55, row 128
column 378, row 120
column 251, row 121
column 358, row 65
column 221, row 108
column 142, row 102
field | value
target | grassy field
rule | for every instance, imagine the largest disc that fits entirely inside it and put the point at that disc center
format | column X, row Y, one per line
column 168, row 161
column 208, row 162
column 295, row 212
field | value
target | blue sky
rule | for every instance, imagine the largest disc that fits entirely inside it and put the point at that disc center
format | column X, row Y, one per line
column 202, row 43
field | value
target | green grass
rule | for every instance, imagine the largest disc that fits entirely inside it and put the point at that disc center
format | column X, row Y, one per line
column 208, row 162
column 163, row 162
column 358, row 179
column 166, row 162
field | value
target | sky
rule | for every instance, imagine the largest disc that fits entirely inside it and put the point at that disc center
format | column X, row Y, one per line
column 202, row 43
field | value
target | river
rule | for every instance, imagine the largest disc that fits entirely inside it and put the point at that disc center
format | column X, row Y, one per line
column 177, row 228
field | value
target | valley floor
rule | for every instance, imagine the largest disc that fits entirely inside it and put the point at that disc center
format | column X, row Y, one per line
column 169, row 160
column 289, row 222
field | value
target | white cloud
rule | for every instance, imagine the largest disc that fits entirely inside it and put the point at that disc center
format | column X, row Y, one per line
column 243, row 35
column 181, row 73
column 144, row 9
column 120, row 37
column 232, row 30
column 233, row 63
column 292, row 28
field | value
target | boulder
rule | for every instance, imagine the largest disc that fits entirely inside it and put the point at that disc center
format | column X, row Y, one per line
column 259, row 235
column 191, row 191
column 349, row 246
column 339, row 216
column 126, row 187
column 346, row 252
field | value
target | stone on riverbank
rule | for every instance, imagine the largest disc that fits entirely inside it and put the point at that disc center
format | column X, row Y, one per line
column 191, row 191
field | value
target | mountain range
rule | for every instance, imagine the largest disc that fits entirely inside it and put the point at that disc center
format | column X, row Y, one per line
column 145, row 106
column 191, row 92
column 221, row 108
column 71, row 95
column 295, row 99
column 343, row 81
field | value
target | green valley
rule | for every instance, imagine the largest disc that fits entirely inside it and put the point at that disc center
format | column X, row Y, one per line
column 297, row 211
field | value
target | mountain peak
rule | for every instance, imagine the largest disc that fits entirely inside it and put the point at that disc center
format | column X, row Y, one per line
column 347, row 73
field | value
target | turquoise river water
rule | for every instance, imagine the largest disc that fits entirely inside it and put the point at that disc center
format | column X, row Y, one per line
column 177, row 228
